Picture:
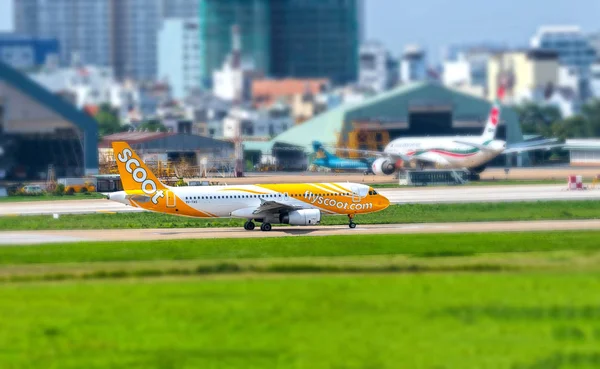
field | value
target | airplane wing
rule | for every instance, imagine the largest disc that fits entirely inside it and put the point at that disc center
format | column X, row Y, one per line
column 477, row 146
column 395, row 156
column 273, row 207
column 534, row 145
column 431, row 157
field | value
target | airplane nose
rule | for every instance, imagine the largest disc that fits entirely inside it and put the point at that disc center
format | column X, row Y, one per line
column 385, row 202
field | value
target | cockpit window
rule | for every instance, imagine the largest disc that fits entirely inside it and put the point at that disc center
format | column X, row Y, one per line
column 372, row 192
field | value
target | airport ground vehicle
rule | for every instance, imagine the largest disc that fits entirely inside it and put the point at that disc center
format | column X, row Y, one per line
column 294, row 204
column 74, row 185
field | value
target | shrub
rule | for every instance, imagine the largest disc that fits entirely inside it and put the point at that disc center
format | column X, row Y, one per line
column 59, row 190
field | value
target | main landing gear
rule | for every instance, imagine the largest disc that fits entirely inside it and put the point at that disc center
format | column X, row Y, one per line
column 249, row 226
column 351, row 223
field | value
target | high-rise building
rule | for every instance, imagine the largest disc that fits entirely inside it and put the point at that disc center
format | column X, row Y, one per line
column 574, row 51
column 81, row 27
column 134, row 34
column 27, row 53
column 117, row 33
column 413, row 65
column 216, row 21
column 315, row 39
column 285, row 38
column 179, row 55
column 25, row 16
column 378, row 70
column 180, row 8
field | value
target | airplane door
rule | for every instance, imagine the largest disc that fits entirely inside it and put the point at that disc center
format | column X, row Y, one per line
column 171, row 199
column 355, row 194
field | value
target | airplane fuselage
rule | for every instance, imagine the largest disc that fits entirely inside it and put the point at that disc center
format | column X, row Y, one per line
column 447, row 152
column 241, row 201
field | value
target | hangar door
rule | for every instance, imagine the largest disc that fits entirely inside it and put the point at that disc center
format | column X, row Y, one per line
column 430, row 120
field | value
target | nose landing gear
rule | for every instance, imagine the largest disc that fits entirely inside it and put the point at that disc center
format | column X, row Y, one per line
column 351, row 223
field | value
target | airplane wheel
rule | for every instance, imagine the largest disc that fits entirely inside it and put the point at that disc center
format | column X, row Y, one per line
column 352, row 225
column 249, row 226
column 265, row 227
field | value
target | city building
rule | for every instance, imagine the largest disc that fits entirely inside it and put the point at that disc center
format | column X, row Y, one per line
column 135, row 25
column 82, row 28
column 573, row 48
column 234, row 80
column 522, row 71
column 180, row 8
column 413, row 65
column 179, row 56
column 377, row 69
column 316, row 39
column 266, row 92
column 595, row 81
column 117, row 33
column 306, row 97
column 217, row 18
column 39, row 129
column 256, row 124
column 27, row 52
column 284, row 38
column 583, row 152
column 465, row 68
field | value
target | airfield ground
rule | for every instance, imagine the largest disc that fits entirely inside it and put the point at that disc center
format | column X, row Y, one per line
column 495, row 297
column 495, row 300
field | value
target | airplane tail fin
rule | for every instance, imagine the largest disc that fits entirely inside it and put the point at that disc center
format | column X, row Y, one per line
column 491, row 126
column 135, row 175
column 318, row 147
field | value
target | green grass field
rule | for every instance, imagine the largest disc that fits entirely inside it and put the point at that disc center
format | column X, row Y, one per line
column 501, row 301
column 415, row 213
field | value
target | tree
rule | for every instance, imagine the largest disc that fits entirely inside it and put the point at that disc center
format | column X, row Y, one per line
column 108, row 120
column 537, row 119
column 591, row 113
column 153, row 126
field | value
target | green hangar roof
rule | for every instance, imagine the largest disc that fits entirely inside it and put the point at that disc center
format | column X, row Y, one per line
column 395, row 107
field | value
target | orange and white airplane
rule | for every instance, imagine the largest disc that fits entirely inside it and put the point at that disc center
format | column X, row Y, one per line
column 295, row 204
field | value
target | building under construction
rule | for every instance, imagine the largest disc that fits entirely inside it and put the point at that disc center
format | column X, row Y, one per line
column 172, row 155
column 41, row 132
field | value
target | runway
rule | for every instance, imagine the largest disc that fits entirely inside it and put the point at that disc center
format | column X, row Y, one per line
column 412, row 195
column 69, row 236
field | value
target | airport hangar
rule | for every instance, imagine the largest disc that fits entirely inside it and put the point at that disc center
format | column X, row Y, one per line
column 39, row 129
column 419, row 109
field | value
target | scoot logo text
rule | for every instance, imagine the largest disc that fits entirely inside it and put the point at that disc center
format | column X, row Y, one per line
column 140, row 175
column 320, row 200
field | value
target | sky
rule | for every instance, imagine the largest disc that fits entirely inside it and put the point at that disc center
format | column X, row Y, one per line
column 434, row 24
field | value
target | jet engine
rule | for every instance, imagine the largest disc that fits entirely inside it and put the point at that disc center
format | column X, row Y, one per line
column 301, row 217
column 383, row 166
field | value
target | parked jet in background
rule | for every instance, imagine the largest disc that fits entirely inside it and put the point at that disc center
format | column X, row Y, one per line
column 451, row 152
column 294, row 204
column 328, row 160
